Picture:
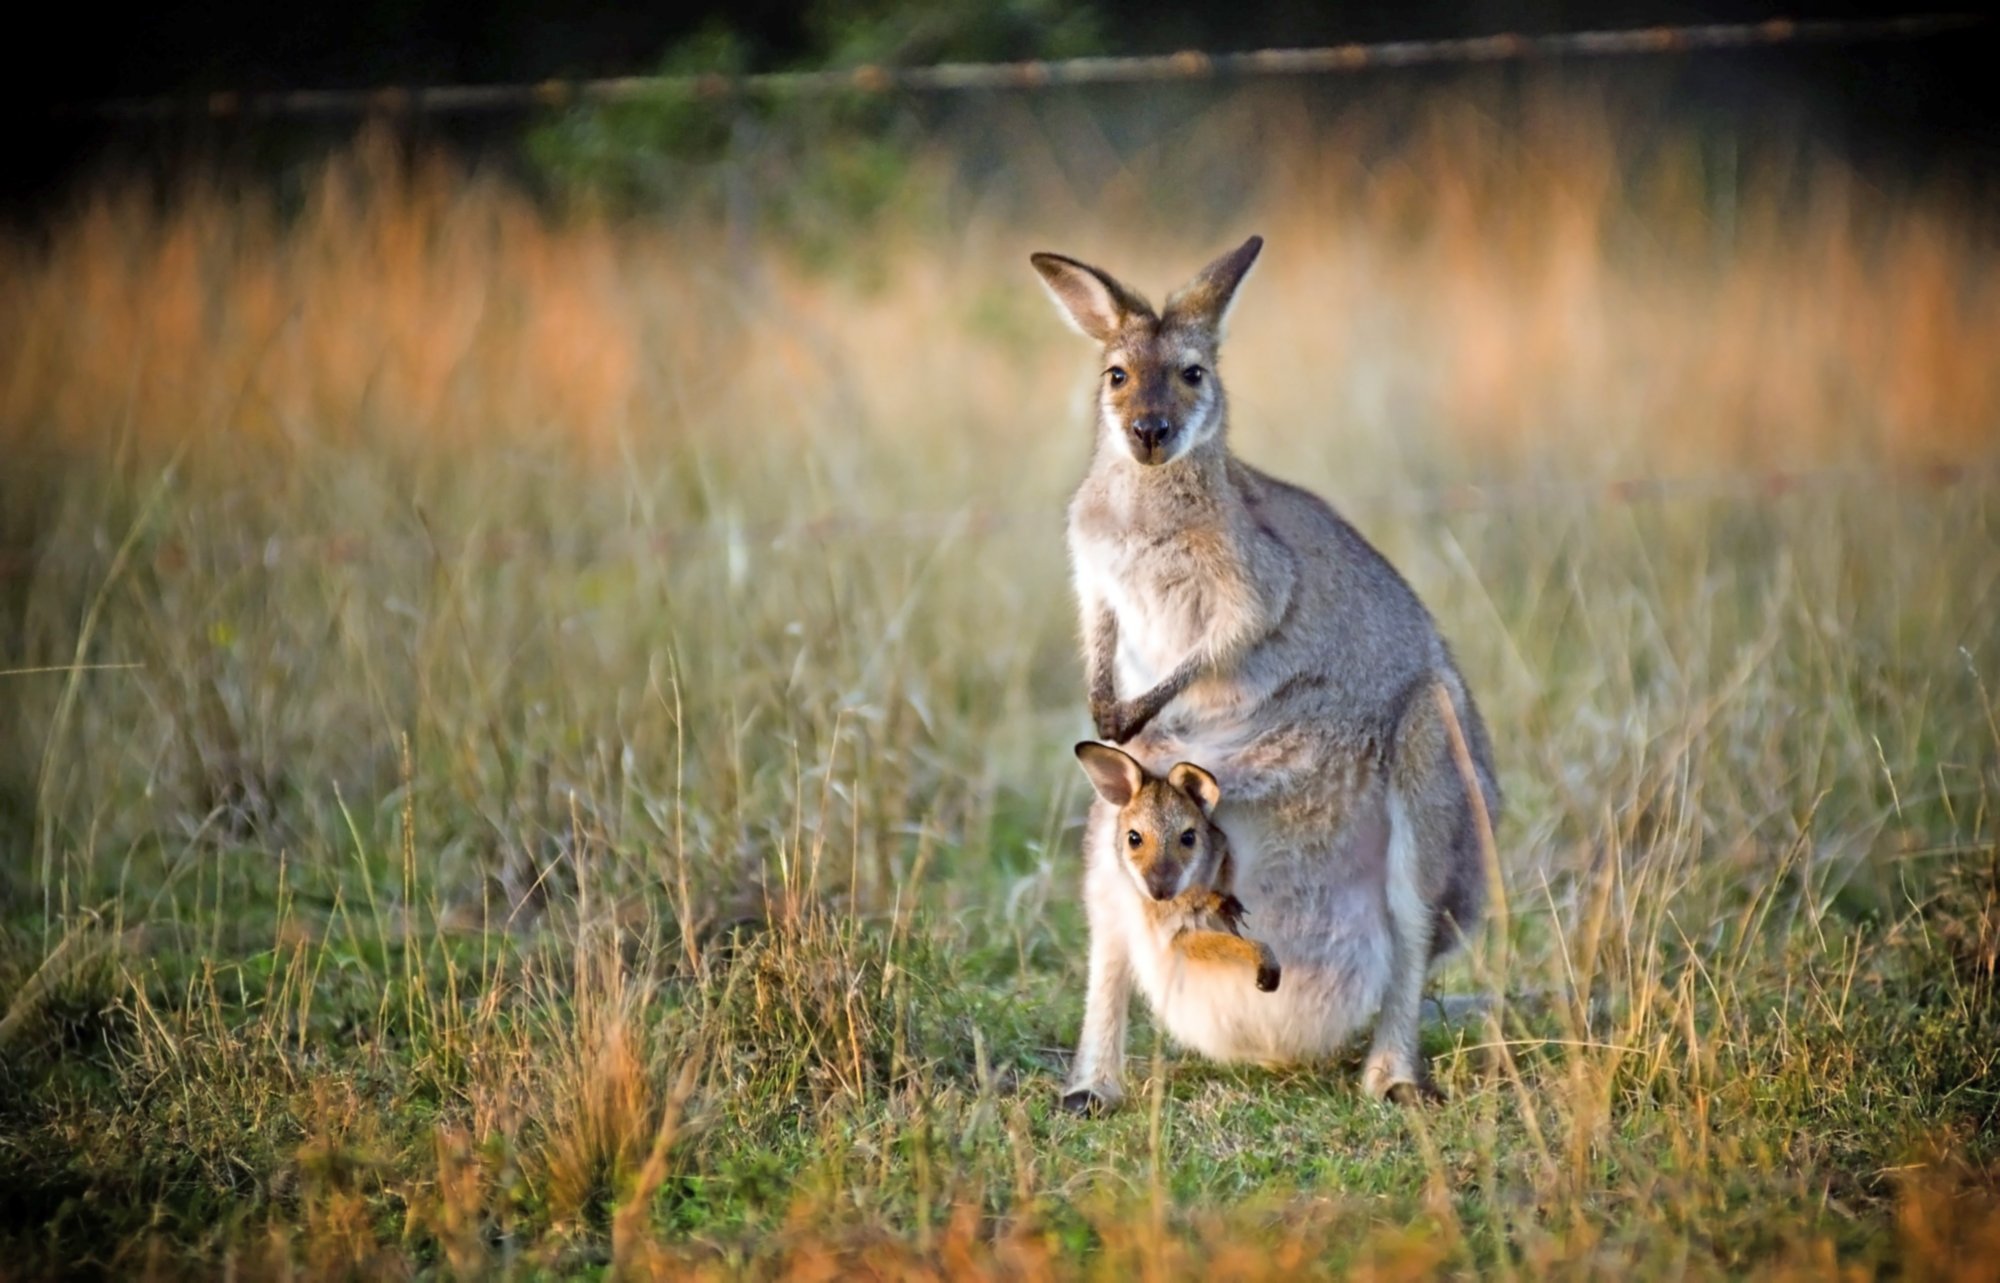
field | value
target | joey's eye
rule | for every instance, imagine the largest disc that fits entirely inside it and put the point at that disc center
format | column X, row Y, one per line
column 1187, row 838
column 1117, row 376
column 1133, row 839
column 1192, row 375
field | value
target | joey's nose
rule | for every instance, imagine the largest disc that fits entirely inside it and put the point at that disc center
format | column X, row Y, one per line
column 1151, row 430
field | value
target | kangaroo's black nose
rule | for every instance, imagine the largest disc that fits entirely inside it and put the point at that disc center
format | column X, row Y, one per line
column 1151, row 431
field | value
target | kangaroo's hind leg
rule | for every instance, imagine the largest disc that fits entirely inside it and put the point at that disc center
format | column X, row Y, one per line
column 1434, row 857
column 1096, row 1081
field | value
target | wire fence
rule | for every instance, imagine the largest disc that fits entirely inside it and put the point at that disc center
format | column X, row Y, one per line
column 953, row 77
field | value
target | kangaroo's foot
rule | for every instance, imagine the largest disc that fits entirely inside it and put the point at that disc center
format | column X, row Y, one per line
column 1412, row 1095
column 1093, row 1099
column 1401, row 1078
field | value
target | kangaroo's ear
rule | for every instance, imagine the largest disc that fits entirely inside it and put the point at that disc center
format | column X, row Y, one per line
column 1095, row 303
column 1206, row 299
column 1112, row 772
column 1197, row 784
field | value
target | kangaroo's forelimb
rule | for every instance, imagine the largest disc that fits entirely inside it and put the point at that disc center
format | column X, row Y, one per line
column 1101, row 642
column 1129, row 717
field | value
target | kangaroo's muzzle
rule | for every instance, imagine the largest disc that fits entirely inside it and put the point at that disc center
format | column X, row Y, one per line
column 1150, row 434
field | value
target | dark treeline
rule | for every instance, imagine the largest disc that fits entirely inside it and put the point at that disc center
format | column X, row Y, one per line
column 1913, row 106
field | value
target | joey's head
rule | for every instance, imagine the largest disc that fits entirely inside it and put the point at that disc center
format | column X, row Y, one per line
column 1164, row 834
column 1158, row 396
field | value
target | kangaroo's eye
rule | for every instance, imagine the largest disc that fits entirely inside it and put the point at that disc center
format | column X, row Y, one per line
column 1192, row 375
column 1117, row 376
column 1187, row 838
column 1133, row 839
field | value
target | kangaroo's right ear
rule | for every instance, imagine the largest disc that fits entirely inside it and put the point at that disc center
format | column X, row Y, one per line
column 1112, row 772
column 1198, row 785
column 1095, row 303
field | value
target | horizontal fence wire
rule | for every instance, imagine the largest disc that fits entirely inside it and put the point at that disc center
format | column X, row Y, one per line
column 958, row 76
column 500, row 546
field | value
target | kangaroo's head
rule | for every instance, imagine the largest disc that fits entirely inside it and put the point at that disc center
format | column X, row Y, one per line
column 1164, row 831
column 1159, row 396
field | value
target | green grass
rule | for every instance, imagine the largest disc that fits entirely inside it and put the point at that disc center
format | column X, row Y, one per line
column 652, row 849
column 826, row 883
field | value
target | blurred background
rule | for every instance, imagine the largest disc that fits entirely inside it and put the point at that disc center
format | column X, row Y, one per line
column 336, row 419
column 1761, row 252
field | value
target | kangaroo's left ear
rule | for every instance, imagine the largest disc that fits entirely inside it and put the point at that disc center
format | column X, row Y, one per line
column 1113, row 773
column 1197, row 784
column 1206, row 299
column 1096, row 303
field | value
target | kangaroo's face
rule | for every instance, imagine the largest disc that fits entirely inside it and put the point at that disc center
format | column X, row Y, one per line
column 1164, row 832
column 1158, row 395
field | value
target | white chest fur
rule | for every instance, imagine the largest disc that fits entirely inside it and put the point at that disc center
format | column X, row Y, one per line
column 1323, row 915
column 1155, row 631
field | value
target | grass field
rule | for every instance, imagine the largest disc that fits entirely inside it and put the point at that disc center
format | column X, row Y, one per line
column 539, row 745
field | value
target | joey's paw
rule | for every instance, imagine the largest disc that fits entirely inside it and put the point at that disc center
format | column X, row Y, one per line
column 1231, row 909
column 1092, row 1102
column 1268, row 976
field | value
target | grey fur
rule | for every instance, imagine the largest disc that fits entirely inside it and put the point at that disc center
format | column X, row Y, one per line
column 1236, row 621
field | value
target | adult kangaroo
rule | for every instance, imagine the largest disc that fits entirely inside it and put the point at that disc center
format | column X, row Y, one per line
column 1237, row 622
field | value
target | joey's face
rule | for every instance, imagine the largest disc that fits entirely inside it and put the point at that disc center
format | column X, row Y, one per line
column 1163, row 838
column 1159, row 397
column 1166, row 841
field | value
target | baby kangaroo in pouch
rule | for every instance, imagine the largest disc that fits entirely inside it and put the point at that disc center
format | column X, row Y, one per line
column 1232, row 619
column 1178, row 858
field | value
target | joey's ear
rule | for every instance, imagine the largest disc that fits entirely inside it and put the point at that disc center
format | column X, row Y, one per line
column 1197, row 784
column 1206, row 299
column 1095, row 303
column 1112, row 772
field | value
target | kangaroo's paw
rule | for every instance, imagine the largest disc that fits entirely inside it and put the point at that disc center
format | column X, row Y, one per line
column 1267, row 977
column 1123, row 721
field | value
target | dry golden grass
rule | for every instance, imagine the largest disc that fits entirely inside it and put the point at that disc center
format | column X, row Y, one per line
column 580, row 786
column 1514, row 289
